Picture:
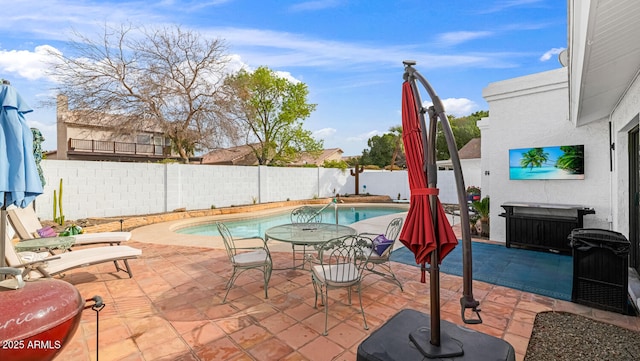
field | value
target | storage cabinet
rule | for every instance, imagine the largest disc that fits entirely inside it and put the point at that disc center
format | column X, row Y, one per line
column 542, row 226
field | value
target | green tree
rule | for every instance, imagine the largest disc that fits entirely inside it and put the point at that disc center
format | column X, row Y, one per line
column 272, row 109
column 340, row 164
column 534, row 157
column 380, row 150
column 385, row 150
column 572, row 160
column 464, row 129
column 134, row 80
column 398, row 149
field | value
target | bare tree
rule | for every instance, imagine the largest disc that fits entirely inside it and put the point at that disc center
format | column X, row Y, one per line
column 135, row 79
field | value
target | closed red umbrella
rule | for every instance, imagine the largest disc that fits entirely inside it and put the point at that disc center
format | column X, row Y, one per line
column 421, row 234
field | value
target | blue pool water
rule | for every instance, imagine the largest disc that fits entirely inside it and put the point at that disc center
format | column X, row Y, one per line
column 257, row 226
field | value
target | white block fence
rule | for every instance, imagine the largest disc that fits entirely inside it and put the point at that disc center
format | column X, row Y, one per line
column 111, row 189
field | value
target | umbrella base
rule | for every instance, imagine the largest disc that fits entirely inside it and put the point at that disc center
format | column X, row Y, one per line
column 449, row 346
column 391, row 341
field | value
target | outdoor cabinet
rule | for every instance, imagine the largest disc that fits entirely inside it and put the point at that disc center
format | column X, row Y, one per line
column 542, row 226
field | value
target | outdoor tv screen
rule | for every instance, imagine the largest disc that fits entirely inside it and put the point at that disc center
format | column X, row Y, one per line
column 561, row 162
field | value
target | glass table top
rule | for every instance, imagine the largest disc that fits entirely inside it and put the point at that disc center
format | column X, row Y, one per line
column 308, row 233
column 49, row 243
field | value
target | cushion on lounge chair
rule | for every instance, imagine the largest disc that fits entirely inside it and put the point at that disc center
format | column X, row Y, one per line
column 26, row 222
column 89, row 256
column 61, row 262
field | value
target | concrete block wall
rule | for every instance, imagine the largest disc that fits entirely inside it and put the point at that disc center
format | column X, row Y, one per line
column 111, row 189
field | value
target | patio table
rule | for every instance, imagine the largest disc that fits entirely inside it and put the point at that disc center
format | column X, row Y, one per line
column 307, row 234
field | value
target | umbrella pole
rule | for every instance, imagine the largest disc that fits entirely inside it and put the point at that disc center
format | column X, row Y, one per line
column 467, row 301
column 440, row 344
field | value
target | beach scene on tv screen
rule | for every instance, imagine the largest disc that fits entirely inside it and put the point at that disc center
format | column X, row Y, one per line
column 558, row 162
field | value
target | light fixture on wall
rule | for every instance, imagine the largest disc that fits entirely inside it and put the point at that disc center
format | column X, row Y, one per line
column 486, row 172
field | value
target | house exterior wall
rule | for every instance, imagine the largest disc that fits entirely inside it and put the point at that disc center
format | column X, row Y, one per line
column 111, row 189
column 532, row 111
column 70, row 125
column 472, row 171
column 624, row 118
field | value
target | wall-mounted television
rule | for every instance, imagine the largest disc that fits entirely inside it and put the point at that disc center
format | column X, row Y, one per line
column 559, row 162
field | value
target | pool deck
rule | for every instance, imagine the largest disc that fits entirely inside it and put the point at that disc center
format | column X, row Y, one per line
column 171, row 309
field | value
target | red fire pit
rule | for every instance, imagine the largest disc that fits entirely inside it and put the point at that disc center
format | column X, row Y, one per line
column 38, row 320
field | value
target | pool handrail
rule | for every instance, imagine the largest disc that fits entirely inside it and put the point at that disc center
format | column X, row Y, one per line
column 334, row 201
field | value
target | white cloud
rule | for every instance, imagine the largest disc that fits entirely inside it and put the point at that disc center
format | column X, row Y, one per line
column 314, row 5
column 324, row 133
column 364, row 136
column 457, row 37
column 550, row 53
column 458, row 107
column 30, row 65
column 507, row 4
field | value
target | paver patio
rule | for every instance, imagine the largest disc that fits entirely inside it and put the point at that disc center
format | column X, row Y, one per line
column 171, row 310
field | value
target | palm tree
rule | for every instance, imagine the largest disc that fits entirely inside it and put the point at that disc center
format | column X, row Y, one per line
column 482, row 209
column 397, row 130
column 572, row 160
column 535, row 157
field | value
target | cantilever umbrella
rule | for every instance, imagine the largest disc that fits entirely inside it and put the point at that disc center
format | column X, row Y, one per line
column 427, row 232
column 19, row 179
column 421, row 226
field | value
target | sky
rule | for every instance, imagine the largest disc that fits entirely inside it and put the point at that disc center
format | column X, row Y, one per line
column 348, row 52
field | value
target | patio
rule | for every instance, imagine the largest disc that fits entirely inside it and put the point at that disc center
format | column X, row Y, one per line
column 171, row 310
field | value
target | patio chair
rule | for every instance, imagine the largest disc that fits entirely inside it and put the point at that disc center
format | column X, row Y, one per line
column 304, row 214
column 43, row 264
column 246, row 257
column 26, row 224
column 339, row 264
column 380, row 263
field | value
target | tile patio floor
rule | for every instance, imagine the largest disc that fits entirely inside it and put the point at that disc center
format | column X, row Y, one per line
column 171, row 310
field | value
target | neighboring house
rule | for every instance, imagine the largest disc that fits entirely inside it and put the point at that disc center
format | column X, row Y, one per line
column 243, row 155
column 80, row 138
column 470, row 162
column 593, row 100
column 240, row 155
column 331, row 154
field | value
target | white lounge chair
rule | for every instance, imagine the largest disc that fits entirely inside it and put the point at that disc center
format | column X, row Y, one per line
column 26, row 224
column 43, row 264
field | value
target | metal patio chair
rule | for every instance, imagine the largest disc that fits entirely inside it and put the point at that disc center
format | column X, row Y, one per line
column 380, row 264
column 339, row 264
column 304, row 214
column 246, row 257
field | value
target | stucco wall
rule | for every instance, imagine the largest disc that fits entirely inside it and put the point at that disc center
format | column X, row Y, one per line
column 532, row 111
column 624, row 118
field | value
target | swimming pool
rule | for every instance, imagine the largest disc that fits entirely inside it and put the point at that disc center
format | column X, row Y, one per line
column 258, row 226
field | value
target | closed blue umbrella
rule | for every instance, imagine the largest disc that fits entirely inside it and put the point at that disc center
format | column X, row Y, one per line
column 19, row 180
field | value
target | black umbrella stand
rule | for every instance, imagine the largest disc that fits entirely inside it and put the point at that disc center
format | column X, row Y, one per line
column 440, row 339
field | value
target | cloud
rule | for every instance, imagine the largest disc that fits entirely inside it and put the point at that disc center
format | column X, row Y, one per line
column 324, row 133
column 550, row 53
column 458, row 107
column 507, row 4
column 458, row 37
column 30, row 65
column 364, row 136
column 314, row 5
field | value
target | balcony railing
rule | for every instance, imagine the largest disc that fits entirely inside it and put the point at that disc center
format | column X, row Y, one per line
column 102, row 146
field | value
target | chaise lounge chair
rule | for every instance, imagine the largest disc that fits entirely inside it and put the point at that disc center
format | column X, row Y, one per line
column 26, row 224
column 43, row 264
